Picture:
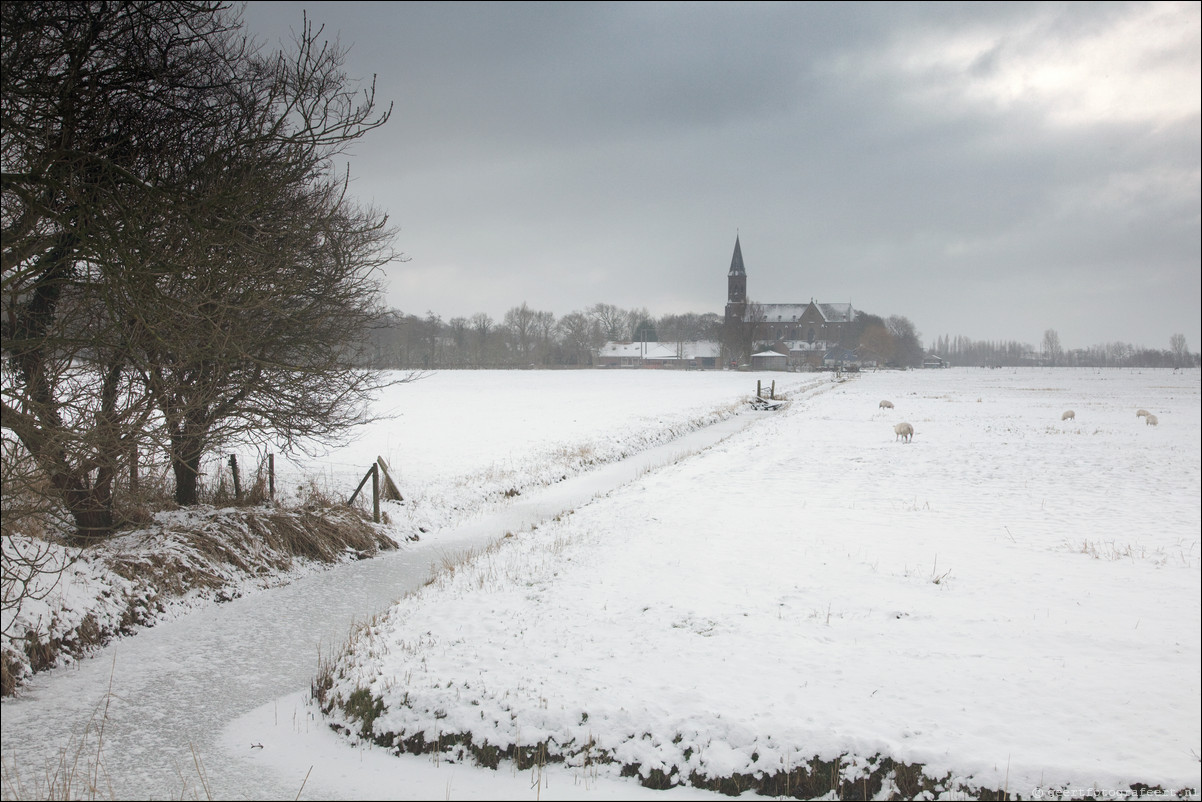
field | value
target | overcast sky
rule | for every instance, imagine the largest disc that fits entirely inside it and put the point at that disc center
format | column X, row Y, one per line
column 988, row 170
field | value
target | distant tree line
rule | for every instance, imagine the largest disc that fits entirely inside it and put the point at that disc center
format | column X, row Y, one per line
column 526, row 337
column 987, row 353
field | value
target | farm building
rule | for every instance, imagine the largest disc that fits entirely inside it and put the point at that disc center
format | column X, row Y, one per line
column 839, row 358
column 682, row 355
column 769, row 360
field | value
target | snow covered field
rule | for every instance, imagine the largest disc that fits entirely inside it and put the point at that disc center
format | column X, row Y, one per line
column 1011, row 599
column 459, row 440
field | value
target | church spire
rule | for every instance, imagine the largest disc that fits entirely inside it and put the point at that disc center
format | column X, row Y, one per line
column 736, row 261
column 736, row 283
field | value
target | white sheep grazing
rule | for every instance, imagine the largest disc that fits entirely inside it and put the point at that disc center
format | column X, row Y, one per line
column 1150, row 420
column 1068, row 415
column 905, row 431
column 1143, row 413
column 886, row 405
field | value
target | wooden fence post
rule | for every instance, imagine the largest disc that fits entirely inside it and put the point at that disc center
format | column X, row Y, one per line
column 758, row 392
column 271, row 476
column 373, row 473
column 388, row 489
column 375, row 493
column 237, row 480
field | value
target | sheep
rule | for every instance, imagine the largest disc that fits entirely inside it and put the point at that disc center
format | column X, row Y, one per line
column 905, row 431
column 1143, row 413
column 1150, row 420
column 1068, row 415
column 886, row 405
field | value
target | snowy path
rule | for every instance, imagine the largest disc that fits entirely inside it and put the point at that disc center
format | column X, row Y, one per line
column 176, row 686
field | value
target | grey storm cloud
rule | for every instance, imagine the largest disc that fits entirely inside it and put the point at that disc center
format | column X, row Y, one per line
column 990, row 170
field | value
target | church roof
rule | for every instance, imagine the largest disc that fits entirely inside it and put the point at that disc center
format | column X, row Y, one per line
column 837, row 313
column 736, row 261
column 787, row 313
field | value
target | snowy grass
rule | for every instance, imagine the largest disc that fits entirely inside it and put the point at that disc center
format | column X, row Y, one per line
column 1010, row 602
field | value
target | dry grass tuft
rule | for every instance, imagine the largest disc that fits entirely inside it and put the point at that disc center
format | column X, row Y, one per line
column 252, row 542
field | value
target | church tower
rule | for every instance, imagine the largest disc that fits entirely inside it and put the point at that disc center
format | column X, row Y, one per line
column 736, row 285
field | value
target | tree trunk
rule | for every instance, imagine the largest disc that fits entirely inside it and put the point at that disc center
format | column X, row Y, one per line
column 89, row 503
column 91, row 508
column 185, row 464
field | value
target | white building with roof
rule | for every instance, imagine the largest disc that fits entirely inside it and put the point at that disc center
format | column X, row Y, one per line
column 700, row 355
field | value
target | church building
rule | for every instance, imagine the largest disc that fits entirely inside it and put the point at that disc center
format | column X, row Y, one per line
column 805, row 332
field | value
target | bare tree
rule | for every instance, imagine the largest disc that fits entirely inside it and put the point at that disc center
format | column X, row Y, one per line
column 176, row 240
column 582, row 335
column 96, row 101
column 1180, row 349
column 265, row 353
column 482, row 326
column 876, row 342
column 906, row 342
column 252, row 311
column 1052, row 349
column 458, row 328
column 688, row 327
column 544, row 333
column 519, row 321
column 641, row 325
column 614, row 322
column 432, row 329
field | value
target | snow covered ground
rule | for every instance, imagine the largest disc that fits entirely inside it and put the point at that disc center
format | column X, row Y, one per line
column 1010, row 599
column 458, row 443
